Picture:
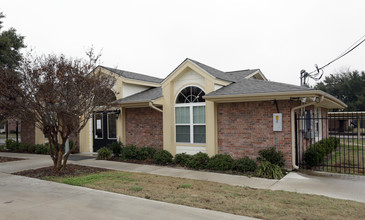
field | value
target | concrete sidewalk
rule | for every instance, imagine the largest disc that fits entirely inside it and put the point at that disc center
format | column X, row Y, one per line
column 29, row 198
column 347, row 187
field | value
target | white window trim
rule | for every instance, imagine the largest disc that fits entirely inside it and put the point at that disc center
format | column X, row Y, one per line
column 191, row 121
column 107, row 124
column 102, row 128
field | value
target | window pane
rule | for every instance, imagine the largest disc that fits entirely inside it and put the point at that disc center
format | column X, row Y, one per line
column 182, row 115
column 112, row 126
column 199, row 133
column 199, row 114
column 98, row 125
column 183, row 133
column 183, row 96
column 190, row 94
column 197, row 94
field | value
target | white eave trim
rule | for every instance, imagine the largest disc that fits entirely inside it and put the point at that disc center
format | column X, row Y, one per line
column 257, row 72
column 277, row 95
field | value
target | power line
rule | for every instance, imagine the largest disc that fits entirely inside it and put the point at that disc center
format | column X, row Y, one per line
column 318, row 72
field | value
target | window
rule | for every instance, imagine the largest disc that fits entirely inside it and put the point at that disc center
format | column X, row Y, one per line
column 98, row 127
column 112, row 126
column 190, row 115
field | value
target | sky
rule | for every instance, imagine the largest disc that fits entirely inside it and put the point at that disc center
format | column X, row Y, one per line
column 153, row 37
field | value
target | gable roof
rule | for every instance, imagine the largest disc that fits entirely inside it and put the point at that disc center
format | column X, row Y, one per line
column 233, row 76
column 240, row 85
column 252, row 86
column 135, row 76
column 144, row 96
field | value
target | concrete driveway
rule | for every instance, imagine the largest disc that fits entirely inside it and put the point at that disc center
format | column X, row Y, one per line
column 29, row 198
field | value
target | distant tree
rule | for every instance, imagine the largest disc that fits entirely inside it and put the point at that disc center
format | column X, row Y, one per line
column 58, row 94
column 349, row 87
column 10, row 45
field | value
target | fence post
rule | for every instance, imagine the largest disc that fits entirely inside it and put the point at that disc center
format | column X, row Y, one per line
column 17, row 132
column 358, row 127
column 6, row 130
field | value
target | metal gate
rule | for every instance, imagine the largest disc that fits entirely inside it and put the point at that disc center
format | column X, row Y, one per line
column 333, row 142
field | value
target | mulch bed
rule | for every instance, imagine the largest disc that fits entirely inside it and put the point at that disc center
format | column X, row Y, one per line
column 7, row 159
column 147, row 161
column 70, row 171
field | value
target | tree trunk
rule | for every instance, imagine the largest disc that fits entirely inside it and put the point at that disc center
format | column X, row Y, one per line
column 68, row 154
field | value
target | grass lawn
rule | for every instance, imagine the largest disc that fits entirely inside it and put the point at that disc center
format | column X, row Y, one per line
column 347, row 159
column 352, row 140
column 3, row 136
column 245, row 201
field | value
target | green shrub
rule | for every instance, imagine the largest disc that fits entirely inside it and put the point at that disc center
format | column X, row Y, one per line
column 335, row 142
column 316, row 153
column 2, row 148
column 30, row 147
column 142, row 153
column 11, row 145
column 182, row 159
column 312, row 157
column 129, row 152
column 22, row 147
column 220, row 162
column 162, row 157
column 244, row 165
column 273, row 156
column 151, row 151
column 116, row 148
column 41, row 149
column 104, row 153
column 198, row 161
column 269, row 170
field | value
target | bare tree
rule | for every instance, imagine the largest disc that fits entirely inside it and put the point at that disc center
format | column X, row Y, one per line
column 58, row 94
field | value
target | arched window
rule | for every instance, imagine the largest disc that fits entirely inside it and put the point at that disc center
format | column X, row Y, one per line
column 190, row 115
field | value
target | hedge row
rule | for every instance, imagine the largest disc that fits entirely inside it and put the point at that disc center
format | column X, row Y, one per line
column 316, row 153
column 270, row 159
column 13, row 146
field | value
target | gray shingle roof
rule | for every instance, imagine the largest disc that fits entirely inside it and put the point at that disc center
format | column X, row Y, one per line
column 144, row 96
column 136, row 76
column 233, row 76
column 252, row 86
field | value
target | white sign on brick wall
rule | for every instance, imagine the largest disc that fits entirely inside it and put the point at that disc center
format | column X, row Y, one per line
column 277, row 122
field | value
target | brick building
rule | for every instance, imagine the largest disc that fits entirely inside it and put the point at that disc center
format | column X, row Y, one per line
column 198, row 108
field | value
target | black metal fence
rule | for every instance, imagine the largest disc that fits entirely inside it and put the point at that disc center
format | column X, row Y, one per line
column 9, row 129
column 331, row 143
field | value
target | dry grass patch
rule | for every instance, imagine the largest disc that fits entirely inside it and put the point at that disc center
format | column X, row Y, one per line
column 245, row 201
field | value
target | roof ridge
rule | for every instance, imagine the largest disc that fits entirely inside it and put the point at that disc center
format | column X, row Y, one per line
column 281, row 83
column 197, row 62
column 241, row 70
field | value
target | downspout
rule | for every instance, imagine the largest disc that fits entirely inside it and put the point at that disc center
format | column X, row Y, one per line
column 154, row 107
column 295, row 167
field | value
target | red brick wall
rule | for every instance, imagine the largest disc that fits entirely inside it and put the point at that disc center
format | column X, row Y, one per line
column 144, row 127
column 245, row 128
column 12, row 125
column 27, row 132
